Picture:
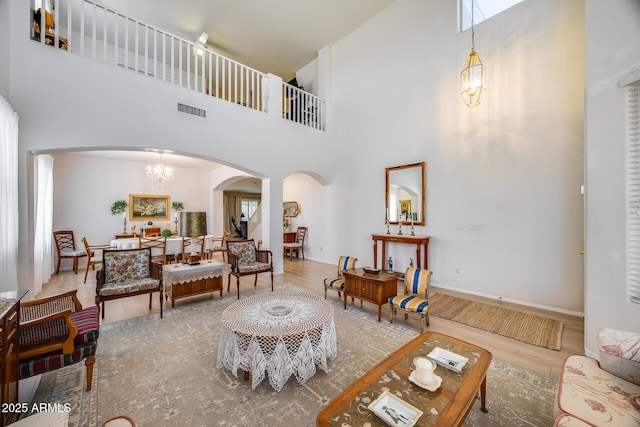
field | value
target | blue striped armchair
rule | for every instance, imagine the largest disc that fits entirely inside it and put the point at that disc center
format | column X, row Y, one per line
column 416, row 296
column 337, row 283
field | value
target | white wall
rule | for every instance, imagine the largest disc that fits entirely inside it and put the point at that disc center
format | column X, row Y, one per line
column 85, row 188
column 613, row 31
column 511, row 166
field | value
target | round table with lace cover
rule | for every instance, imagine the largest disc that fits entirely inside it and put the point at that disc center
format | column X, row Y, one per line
column 281, row 333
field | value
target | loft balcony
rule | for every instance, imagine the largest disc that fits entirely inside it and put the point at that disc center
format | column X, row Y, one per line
column 99, row 33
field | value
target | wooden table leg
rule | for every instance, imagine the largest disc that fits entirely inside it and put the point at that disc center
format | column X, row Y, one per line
column 483, row 395
column 418, row 255
column 246, row 375
column 375, row 254
column 426, row 256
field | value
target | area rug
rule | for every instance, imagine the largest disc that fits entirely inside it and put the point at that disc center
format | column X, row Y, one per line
column 162, row 372
column 525, row 327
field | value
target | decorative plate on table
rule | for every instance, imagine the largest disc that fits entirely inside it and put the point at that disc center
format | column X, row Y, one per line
column 394, row 411
column 370, row 270
column 448, row 359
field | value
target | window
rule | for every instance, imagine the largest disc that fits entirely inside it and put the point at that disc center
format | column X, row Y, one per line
column 632, row 195
column 482, row 9
column 249, row 207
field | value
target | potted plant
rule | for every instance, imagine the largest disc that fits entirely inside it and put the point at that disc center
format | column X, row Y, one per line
column 118, row 206
column 177, row 206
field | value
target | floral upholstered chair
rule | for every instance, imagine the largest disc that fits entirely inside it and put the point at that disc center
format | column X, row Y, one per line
column 337, row 283
column 246, row 259
column 56, row 332
column 128, row 272
column 604, row 392
column 416, row 296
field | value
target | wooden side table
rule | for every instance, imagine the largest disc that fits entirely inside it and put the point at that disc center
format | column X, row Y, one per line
column 9, row 348
column 374, row 288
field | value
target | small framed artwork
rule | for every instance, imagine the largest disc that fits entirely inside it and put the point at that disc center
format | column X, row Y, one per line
column 143, row 207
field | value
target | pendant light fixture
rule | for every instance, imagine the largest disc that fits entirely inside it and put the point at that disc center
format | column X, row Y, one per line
column 472, row 75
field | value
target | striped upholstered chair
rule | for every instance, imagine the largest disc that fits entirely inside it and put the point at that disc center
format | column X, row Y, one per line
column 56, row 332
column 416, row 296
column 337, row 283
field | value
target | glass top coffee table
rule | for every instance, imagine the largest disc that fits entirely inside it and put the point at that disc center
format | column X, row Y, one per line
column 446, row 406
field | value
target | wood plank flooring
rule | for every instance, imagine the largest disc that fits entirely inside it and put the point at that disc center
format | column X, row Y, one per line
column 310, row 274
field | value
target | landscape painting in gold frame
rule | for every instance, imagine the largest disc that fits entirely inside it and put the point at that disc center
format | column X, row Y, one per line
column 145, row 207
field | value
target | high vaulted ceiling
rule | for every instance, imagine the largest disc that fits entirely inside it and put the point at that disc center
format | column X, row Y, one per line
column 272, row 36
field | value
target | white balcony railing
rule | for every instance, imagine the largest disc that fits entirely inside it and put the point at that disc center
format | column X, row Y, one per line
column 103, row 34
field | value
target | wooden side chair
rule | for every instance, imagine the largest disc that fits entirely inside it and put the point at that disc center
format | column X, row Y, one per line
column 416, row 296
column 158, row 247
column 296, row 246
column 56, row 332
column 191, row 245
column 66, row 248
column 337, row 283
column 93, row 259
column 246, row 259
column 222, row 247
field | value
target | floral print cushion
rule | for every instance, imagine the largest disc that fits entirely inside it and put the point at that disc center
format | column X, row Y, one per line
column 126, row 266
column 129, row 287
column 245, row 251
column 256, row 266
column 596, row 396
column 620, row 353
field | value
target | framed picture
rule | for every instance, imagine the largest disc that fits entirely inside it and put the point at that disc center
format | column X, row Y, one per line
column 143, row 207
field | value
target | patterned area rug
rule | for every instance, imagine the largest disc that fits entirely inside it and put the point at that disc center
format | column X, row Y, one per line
column 162, row 372
column 525, row 327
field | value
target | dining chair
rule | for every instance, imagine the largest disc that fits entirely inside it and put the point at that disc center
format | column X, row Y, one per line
column 93, row 260
column 158, row 246
column 191, row 245
column 296, row 246
column 221, row 247
column 416, row 296
column 66, row 248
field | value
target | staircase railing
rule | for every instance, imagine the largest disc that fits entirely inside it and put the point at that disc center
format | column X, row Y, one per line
column 303, row 107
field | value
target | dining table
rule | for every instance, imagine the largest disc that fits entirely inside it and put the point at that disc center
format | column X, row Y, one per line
column 174, row 244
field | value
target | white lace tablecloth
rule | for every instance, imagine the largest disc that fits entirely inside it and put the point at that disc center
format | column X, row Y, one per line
column 182, row 273
column 281, row 333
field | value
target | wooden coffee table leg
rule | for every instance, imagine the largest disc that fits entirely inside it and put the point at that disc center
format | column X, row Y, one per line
column 246, row 375
column 483, row 395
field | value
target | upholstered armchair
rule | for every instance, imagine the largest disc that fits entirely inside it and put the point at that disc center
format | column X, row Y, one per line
column 337, row 283
column 415, row 298
column 56, row 332
column 128, row 272
column 246, row 259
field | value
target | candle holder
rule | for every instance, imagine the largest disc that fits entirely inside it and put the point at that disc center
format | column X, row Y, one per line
column 387, row 224
column 412, row 230
column 175, row 221
column 399, row 227
column 124, row 225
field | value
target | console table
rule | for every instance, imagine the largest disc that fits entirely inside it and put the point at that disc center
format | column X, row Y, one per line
column 419, row 241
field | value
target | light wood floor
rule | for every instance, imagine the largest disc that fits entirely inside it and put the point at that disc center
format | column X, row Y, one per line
column 309, row 275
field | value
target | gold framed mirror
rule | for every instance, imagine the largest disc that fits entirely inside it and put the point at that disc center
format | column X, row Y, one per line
column 405, row 193
column 290, row 209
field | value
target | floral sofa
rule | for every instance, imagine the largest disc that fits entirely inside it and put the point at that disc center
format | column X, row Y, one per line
column 605, row 393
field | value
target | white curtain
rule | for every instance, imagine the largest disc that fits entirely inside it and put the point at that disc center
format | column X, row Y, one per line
column 8, row 197
column 43, row 243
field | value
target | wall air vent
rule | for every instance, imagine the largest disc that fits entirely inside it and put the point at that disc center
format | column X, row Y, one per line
column 194, row 111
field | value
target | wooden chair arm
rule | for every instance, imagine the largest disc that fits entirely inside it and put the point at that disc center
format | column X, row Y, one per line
column 233, row 260
column 42, row 307
column 99, row 279
column 263, row 255
column 48, row 343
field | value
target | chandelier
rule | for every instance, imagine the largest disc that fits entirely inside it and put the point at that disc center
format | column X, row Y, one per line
column 160, row 173
column 472, row 75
